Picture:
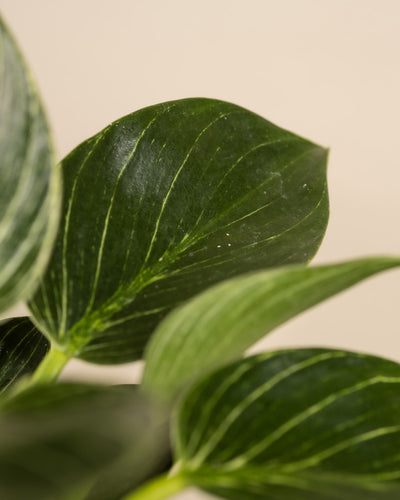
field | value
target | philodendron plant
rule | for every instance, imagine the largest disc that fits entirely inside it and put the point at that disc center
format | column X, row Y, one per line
column 181, row 235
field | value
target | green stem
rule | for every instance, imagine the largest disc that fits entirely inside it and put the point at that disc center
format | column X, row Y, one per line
column 159, row 488
column 50, row 367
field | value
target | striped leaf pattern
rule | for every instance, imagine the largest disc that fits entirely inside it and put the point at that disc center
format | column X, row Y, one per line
column 30, row 191
column 294, row 424
column 22, row 347
column 162, row 204
column 58, row 440
column 221, row 323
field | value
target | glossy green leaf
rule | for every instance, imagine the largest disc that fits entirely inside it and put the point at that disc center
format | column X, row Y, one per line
column 221, row 323
column 30, row 191
column 164, row 203
column 57, row 440
column 22, row 348
column 294, row 424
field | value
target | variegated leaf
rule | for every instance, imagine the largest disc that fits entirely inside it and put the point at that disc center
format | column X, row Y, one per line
column 30, row 191
column 22, row 347
column 165, row 202
column 296, row 424
column 217, row 326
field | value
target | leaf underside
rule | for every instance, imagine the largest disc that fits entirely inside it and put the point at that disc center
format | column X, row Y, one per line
column 294, row 424
column 217, row 326
column 29, row 202
column 58, row 440
column 22, row 347
column 162, row 204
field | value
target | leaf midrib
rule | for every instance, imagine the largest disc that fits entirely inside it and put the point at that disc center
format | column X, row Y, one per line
column 97, row 321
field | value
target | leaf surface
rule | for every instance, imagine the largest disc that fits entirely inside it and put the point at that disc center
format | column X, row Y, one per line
column 22, row 348
column 58, row 440
column 165, row 202
column 30, row 191
column 221, row 323
column 294, row 424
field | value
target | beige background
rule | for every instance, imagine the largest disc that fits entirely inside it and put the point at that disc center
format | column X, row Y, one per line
column 327, row 70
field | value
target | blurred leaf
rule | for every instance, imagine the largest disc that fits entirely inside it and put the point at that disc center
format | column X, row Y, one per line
column 165, row 202
column 118, row 480
column 294, row 424
column 30, row 191
column 57, row 439
column 220, row 324
column 22, row 348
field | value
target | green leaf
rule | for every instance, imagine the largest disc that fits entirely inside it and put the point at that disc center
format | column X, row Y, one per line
column 305, row 486
column 58, row 439
column 221, row 323
column 164, row 203
column 30, row 191
column 22, row 348
column 294, row 424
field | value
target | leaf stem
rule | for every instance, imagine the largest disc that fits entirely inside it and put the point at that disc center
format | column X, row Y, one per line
column 50, row 367
column 160, row 488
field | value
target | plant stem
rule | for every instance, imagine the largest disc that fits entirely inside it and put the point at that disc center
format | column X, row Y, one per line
column 50, row 367
column 159, row 488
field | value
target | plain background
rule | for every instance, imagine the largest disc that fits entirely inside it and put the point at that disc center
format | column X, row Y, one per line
column 327, row 70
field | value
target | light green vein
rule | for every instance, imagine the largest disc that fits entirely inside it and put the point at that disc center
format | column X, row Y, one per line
column 26, row 362
column 196, row 239
column 309, row 412
column 107, row 219
column 123, row 286
column 26, row 178
column 294, row 226
column 341, row 446
column 43, row 315
column 138, row 314
column 249, row 194
column 142, row 196
column 32, row 237
column 64, row 303
column 216, row 260
column 188, row 448
column 178, row 172
column 260, row 391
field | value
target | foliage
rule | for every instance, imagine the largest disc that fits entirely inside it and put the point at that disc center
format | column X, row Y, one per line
column 180, row 234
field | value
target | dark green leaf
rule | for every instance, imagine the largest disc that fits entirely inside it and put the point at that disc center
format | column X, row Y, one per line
column 220, row 324
column 30, row 191
column 164, row 203
column 22, row 348
column 56, row 440
column 294, row 424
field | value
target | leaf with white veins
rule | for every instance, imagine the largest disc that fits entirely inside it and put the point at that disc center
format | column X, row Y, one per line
column 165, row 202
column 22, row 348
column 221, row 323
column 295, row 424
column 30, row 191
